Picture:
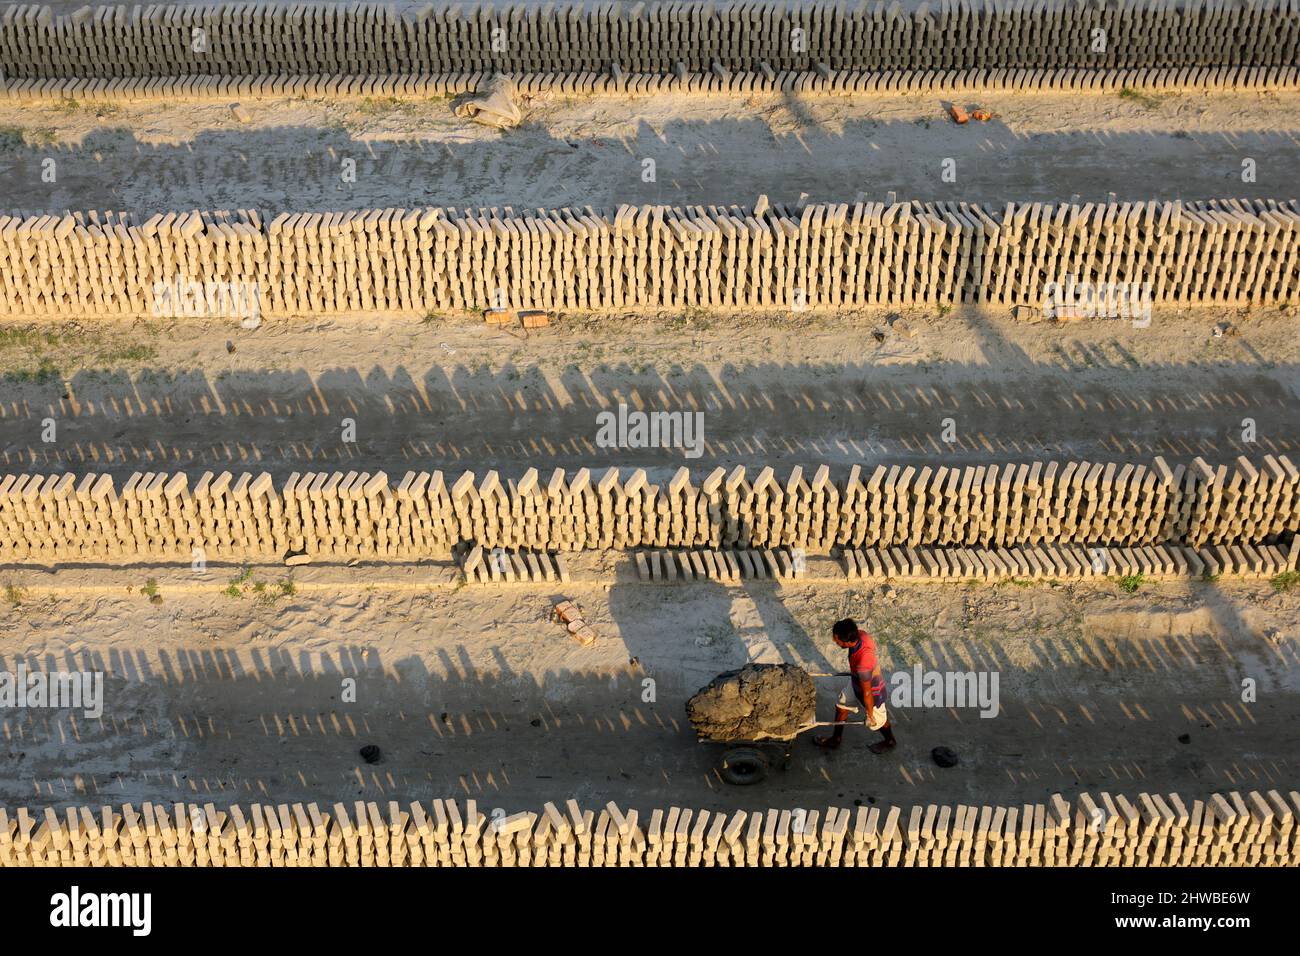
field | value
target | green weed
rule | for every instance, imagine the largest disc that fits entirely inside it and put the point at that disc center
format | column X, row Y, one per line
column 1145, row 100
column 1285, row 581
column 1129, row 583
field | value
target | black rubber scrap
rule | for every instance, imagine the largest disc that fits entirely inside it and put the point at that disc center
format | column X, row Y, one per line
column 944, row 756
column 370, row 753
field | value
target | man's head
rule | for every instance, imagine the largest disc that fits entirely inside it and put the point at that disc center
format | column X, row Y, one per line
column 845, row 632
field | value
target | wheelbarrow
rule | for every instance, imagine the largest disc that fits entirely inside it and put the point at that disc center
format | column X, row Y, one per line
column 746, row 762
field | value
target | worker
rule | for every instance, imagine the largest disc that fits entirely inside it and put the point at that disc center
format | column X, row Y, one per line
column 867, row 685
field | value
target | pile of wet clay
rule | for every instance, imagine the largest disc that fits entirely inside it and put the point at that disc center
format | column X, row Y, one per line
column 757, row 702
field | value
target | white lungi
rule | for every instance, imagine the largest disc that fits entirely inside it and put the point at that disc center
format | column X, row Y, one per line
column 849, row 701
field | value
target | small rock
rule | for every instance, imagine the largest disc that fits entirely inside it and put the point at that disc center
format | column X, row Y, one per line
column 878, row 335
column 230, row 347
column 1225, row 328
column 239, row 113
column 371, row 753
column 944, row 756
column 1026, row 313
column 297, row 560
column 903, row 328
column 1184, row 738
column 155, row 599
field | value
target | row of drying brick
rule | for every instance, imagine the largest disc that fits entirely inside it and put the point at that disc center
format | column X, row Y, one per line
column 290, row 38
column 1029, row 562
column 831, row 255
column 504, row 566
column 59, row 518
column 716, row 80
column 1254, row 829
column 727, row 565
column 1052, row 562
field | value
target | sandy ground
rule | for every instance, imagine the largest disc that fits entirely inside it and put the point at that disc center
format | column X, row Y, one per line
column 453, row 394
column 592, row 151
column 446, row 393
column 472, row 693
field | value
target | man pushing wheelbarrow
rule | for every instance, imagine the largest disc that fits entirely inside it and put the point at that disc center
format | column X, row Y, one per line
column 760, row 709
column 867, row 686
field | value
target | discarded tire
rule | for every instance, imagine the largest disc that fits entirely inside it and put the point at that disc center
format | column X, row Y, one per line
column 944, row 757
column 742, row 766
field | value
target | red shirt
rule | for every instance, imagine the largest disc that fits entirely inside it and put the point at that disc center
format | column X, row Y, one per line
column 862, row 662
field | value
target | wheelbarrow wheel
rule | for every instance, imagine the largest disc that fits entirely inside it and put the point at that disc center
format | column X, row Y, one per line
column 742, row 766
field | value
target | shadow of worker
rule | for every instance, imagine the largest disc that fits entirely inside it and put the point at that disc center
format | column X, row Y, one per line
column 683, row 634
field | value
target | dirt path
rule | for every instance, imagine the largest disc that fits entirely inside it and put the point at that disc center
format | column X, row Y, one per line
column 474, row 694
column 149, row 158
column 451, row 394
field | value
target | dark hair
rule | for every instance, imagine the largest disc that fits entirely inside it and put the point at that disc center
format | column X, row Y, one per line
column 845, row 630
